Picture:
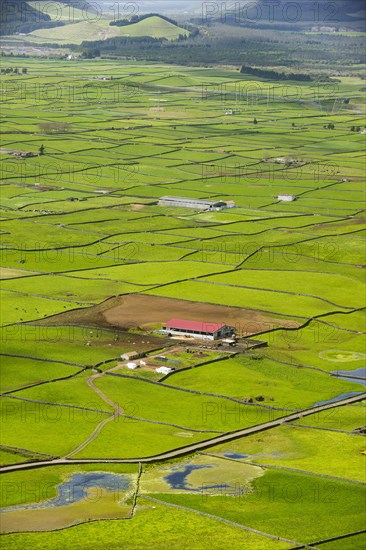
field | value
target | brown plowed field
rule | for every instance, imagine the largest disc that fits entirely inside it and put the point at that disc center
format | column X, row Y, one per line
column 139, row 310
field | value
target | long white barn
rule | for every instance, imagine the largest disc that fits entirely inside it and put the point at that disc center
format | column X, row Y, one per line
column 196, row 204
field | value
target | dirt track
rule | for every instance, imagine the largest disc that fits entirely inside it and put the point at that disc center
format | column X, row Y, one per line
column 143, row 310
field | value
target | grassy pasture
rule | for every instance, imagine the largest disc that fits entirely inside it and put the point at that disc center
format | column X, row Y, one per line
column 347, row 418
column 292, row 259
column 31, row 425
column 184, row 409
column 264, row 300
column 132, row 438
column 314, row 451
column 34, row 306
column 340, row 290
column 309, row 347
column 17, row 372
column 77, row 292
column 349, row 543
column 65, row 343
column 151, row 523
column 337, row 506
column 279, row 385
column 70, row 392
column 138, row 274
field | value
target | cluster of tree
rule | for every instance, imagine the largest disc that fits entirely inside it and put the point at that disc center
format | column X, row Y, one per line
column 54, row 127
column 138, row 18
column 329, row 126
column 356, row 129
column 275, row 75
column 11, row 54
column 318, row 54
column 11, row 70
column 90, row 53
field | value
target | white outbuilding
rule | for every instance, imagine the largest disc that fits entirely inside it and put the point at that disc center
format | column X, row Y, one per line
column 286, row 198
column 164, row 370
column 132, row 366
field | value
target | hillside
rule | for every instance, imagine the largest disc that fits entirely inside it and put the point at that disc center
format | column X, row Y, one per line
column 22, row 17
column 156, row 27
column 82, row 30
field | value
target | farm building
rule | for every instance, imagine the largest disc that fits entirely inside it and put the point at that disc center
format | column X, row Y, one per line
column 164, row 370
column 132, row 366
column 197, row 329
column 132, row 355
column 196, row 204
column 286, row 198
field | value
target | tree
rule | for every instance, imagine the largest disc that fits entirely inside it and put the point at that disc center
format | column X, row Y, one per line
column 41, row 149
column 353, row 129
column 255, row 121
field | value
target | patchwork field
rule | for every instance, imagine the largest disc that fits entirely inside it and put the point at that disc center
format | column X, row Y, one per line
column 92, row 267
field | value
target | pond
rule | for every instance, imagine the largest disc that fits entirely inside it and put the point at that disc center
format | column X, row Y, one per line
column 357, row 375
column 178, row 479
column 76, row 489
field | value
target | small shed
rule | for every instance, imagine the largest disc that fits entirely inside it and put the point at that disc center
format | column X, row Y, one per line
column 164, row 370
column 286, row 198
column 132, row 366
column 132, row 355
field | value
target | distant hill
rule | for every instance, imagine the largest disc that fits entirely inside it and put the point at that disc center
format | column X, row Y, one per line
column 83, row 29
column 17, row 16
column 156, row 27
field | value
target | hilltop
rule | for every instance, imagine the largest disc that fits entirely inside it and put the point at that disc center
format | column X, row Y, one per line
column 78, row 27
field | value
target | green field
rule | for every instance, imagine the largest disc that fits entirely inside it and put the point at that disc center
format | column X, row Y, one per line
column 337, row 506
column 83, row 235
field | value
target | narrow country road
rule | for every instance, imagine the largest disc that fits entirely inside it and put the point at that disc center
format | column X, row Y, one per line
column 230, row 436
column 97, row 430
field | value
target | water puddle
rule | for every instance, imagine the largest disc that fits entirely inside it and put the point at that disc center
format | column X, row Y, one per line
column 337, row 398
column 76, row 489
column 178, row 479
column 236, row 455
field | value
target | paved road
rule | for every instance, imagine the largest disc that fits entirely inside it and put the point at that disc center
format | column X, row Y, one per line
column 189, row 448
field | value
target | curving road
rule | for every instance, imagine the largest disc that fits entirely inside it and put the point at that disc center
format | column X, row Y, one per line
column 230, row 436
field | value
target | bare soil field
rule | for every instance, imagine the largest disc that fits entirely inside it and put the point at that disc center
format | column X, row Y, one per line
column 138, row 310
column 133, row 311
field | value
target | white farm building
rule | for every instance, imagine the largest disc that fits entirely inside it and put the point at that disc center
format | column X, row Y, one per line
column 195, row 204
column 197, row 329
column 164, row 370
column 286, row 198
